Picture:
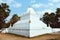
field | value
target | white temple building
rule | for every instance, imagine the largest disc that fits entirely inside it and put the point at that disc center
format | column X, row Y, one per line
column 30, row 25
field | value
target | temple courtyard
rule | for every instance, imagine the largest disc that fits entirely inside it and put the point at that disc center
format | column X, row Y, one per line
column 54, row 36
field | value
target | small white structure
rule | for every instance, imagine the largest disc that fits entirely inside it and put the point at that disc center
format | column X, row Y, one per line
column 30, row 25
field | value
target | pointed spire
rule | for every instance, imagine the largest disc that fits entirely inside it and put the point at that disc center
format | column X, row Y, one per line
column 30, row 10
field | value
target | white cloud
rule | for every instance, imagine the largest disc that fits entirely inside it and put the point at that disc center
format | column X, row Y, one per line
column 7, row 1
column 33, row 1
column 54, row 1
column 37, row 5
column 17, row 5
column 10, row 1
column 14, row 3
column 1, row 1
column 57, row 5
column 50, row 4
column 47, row 10
column 41, row 13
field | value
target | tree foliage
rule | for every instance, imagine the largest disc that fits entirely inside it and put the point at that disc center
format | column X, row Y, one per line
column 52, row 19
column 4, row 13
column 14, row 19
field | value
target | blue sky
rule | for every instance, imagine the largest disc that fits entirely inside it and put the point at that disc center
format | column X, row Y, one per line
column 40, row 6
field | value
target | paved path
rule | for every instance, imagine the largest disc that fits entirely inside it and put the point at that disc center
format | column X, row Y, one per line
column 16, row 37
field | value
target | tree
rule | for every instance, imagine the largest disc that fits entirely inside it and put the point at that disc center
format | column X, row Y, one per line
column 58, row 12
column 14, row 19
column 46, row 18
column 52, row 19
column 4, row 13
